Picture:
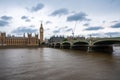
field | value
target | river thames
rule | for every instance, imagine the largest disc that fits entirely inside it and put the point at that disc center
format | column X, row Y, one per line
column 58, row 64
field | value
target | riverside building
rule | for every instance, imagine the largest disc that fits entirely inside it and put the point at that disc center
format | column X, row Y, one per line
column 13, row 41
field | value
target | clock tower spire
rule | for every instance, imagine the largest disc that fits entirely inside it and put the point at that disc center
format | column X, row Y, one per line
column 41, row 33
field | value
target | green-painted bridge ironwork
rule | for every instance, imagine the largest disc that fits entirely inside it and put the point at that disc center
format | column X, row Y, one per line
column 87, row 43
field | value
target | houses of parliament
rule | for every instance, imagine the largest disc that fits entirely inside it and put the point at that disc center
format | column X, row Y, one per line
column 22, row 41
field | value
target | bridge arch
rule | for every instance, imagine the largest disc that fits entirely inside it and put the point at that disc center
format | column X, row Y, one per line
column 52, row 45
column 57, row 45
column 104, row 45
column 106, row 42
column 80, row 45
column 66, row 45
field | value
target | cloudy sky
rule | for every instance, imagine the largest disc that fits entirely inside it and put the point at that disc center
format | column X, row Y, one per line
column 99, row 18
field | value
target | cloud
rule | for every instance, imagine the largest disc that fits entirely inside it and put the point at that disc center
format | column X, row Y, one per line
column 20, row 30
column 95, row 34
column 94, row 28
column 26, row 18
column 48, row 22
column 3, row 23
column 66, row 27
column 68, row 30
column 113, row 34
column 47, row 29
column 117, row 25
column 103, row 21
column 115, row 21
column 37, row 7
column 86, row 24
column 60, row 12
column 62, row 29
column 78, row 17
column 56, row 31
column 31, row 26
column 6, row 18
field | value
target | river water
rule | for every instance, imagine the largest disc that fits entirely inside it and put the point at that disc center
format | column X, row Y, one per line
column 58, row 64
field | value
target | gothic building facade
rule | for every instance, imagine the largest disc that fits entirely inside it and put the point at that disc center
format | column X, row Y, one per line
column 21, row 41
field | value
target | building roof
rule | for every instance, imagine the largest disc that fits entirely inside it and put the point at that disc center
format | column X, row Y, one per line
column 15, row 37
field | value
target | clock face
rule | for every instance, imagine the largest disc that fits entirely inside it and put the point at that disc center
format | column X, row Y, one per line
column 41, row 30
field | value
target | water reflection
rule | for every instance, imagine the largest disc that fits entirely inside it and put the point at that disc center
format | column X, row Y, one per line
column 58, row 64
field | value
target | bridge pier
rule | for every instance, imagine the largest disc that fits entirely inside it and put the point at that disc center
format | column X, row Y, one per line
column 66, row 45
column 103, row 48
column 89, row 48
column 57, row 45
column 80, row 47
column 52, row 45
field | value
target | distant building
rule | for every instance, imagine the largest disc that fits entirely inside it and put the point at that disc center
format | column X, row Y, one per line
column 21, row 41
column 56, row 39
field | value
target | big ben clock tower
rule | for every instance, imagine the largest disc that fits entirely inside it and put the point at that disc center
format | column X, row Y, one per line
column 41, row 33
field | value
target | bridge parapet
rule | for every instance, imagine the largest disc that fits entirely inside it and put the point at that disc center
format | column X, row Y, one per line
column 90, row 41
column 105, row 40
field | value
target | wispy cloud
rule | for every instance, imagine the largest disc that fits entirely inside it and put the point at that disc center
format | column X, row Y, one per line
column 60, row 12
column 117, row 25
column 104, row 22
column 3, row 23
column 26, row 18
column 6, row 17
column 115, row 21
column 47, row 29
column 94, row 28
column 113, row 34
column 61, row 29
column 56, row 31
column 68, row 30
column 37, row 7
column 95, row 34
column 81, row 16
column 24, row 30
column 86, row 24
column 5, row 20
column 48, row 22
column 31, row 26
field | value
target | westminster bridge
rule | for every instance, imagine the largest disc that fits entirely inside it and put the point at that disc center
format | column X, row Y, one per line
column 91, row 44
